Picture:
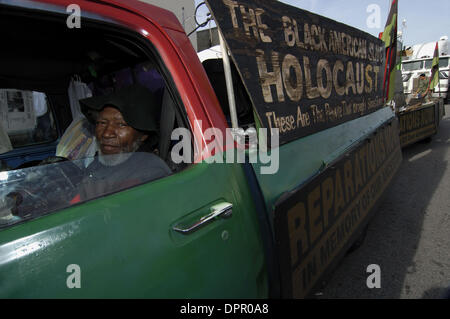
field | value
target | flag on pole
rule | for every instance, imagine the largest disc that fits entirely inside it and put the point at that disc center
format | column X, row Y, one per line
column 390, row 41
column 434, row 79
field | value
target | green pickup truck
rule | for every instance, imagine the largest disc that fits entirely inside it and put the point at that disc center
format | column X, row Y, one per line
column 275, row 157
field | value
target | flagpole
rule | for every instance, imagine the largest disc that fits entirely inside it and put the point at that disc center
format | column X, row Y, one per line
column 386, row 76
column 439, row 74
column 389, row 36
column 436, row 54
column 439, row 84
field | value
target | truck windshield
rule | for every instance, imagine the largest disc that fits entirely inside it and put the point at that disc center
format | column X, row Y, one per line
column 443, row 63
column 412, row 66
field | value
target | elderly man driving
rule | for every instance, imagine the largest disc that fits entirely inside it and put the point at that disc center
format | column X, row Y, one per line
column 124, row 122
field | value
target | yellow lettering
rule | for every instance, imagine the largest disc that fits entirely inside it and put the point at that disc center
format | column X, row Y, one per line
column 350, row 79
column 297, row 231
column 327, row 200
column 369, row 87
column 348, row 175
column 360, row 78
column 232, row 5
column 249, row 21
column 270, row 78
column 261, row 26
column 358, row 179
column 289, row 34
column 364, row 160
column 294, row 91
column 338, row 67
column 311, row 92
column 339, row 200
column 315, row 216
column 323, row 65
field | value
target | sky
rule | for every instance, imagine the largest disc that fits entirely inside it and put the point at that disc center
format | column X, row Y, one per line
column 426, row 20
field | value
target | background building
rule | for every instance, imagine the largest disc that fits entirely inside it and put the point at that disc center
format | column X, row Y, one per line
column 184, row 10
column 207, row 38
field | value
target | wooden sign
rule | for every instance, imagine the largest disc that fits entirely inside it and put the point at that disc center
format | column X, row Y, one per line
column 303, row 72
column 418, row 124
column 318, row 222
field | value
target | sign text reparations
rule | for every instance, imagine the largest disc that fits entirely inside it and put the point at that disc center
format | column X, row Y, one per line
column 317, row 222
column 304, row 73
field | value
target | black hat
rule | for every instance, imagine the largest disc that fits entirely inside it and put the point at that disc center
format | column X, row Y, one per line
column 136, row 103
column 423, row 74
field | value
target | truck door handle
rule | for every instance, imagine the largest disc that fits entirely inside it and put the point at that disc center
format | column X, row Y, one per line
column 224, row 210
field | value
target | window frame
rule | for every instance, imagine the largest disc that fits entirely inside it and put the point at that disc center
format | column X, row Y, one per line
column 52, row 113
column 151, row 54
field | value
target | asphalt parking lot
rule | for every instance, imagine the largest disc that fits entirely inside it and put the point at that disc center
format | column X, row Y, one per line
column 409, row 237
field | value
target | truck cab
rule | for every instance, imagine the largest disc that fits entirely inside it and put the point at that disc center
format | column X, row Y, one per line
column 412, row 69
column 419, row 62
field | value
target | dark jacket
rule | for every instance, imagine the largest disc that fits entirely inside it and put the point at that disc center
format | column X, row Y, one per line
column 140, row 168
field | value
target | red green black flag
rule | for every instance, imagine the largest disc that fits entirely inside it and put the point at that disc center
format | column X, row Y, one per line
column 434, row 79
column 390, row 40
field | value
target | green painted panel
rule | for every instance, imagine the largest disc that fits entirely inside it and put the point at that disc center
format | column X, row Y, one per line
column 305, row 157
column 125, row 245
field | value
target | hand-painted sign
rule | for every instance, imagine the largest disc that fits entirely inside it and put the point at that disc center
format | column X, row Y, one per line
column 304, row 73
column 418, row 124
column 316, row 224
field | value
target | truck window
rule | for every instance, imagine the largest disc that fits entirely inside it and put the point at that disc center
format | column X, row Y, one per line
column 214, row 70
column 412, row 66
column 443, row 63
column 42, row 172
column 26, row 118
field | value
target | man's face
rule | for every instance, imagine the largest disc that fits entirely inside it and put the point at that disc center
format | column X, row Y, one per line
column 114, row 135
